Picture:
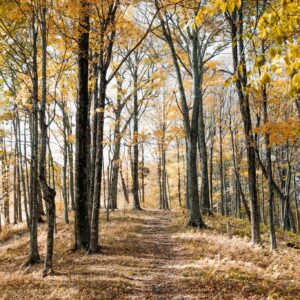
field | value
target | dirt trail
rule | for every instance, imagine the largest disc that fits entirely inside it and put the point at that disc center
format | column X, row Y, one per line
column 162, row 254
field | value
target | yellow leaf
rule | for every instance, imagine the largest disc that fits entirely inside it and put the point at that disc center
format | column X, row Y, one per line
column 235, row 78
column 296, row 80
column 223, row 7
column 265, row 78
column 238, row 3
column 241, row 70
column 258, row 61
column 273, row 52
column 198, row 19
column 231, row 6
column 295, row 51
column 227, row 83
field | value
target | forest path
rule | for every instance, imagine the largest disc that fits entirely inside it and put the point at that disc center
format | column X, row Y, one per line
column 155, row 245
column 150, row 254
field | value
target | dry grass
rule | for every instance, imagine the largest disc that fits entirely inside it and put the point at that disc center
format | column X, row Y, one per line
column 12, row 231
column 152, row 255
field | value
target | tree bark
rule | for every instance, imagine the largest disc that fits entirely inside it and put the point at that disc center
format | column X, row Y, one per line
column 135, row 179
column 273, row 243
column 34, row 256
column 48, row 192
column 203, row 161
column 94, row 234
column 222, row 200
column 178, row 173
column 82, row 225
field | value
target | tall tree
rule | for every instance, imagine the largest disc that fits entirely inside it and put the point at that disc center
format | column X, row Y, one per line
column 48, row 192
column 236, row 22
column 34, row 256
column 82, row 225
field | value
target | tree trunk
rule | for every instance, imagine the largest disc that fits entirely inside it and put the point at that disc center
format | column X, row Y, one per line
column 34, row 256
column 5, row 184
column 125, row 191
column 211, row 173
column 22, row 175
column 71, row 167
column 143, row 174
column 65, row 167
column 222, row 202
column 20, row 217
column 203, row 161
column 273, row 243
column 178, row 173
column 135, row 187
column 237, row 40
column 164, row 178
column 195, row 218
column 94, row 234
column 115, row 164
column 48, row 192
column 82, row 225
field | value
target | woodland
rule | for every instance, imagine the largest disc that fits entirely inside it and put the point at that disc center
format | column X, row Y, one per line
column 149, row 149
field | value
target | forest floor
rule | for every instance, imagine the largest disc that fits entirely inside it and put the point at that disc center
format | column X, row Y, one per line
column 150, row 254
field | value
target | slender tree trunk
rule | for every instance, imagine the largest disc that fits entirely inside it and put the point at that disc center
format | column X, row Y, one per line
column 269, row 171
column 159, row 173
column 115, row 176
column 71, row 170
column 262, row 201
column 289, row 223
column 48, row 192
column 95, row 117
column 187, row 175
column 222, row 202
column 22, row 175
column 20, row 216
column 65, row 169
column 164, row 176
column 115, row 164
column 178, row 173
column 27, row 176
column 34, row 256
column 94, row 235
column 143, row 173
column 211, row 173
column 15, row 184
column 135, row 189
column 169, row 192
column 5, row 184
